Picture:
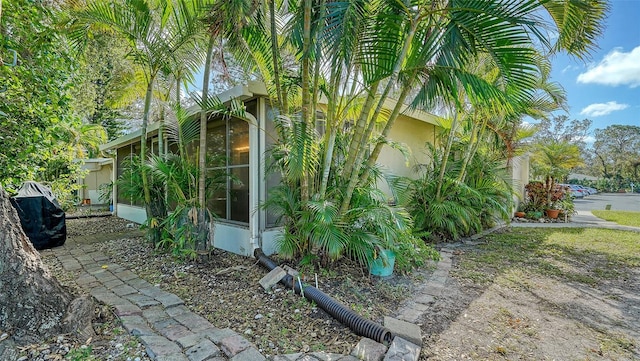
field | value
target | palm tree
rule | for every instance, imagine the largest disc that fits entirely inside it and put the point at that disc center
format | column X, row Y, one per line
column 554, row 160
column 359, row 55
column 83, row 138
column 156, row 30
column 385, row 49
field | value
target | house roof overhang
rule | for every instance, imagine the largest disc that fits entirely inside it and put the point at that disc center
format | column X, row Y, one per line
column 93, row 163
column 251, row 90
column 240, row 92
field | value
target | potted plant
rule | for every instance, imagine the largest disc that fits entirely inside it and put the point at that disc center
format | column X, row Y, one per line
column 383, row 263
column 558, row 198
column 566, row 207
column 520, row 211
column 552, row 213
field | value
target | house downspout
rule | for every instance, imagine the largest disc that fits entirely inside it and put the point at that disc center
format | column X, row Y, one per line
column 114, row 186
column 254, row 183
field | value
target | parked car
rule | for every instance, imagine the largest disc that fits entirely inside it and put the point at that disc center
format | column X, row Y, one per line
column 589, row 190
column 584, row 190
column 592, row 190
column 576, row 191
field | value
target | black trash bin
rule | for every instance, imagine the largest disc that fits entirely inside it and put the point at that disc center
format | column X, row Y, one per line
column 41, row 216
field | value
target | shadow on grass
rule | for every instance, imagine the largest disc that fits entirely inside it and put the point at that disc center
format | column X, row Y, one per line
column 588, row 275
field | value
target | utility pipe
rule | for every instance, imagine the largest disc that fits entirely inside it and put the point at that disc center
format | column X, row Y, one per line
column 357, row 324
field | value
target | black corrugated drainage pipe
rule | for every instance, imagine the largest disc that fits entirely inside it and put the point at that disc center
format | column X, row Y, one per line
column 357, row 324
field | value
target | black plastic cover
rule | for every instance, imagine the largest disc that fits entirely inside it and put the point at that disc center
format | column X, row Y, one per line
column 41, row 216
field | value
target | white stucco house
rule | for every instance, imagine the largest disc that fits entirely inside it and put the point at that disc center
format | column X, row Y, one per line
column 242, row 225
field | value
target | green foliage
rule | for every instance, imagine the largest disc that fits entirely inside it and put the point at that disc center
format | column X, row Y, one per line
column 185, row 231
column 565, row 205
column 66, row 191
column 104, row 84
column 129, row 183
column 36, row 112
column 178, row 222
column 130, row 186
column 536, row 197
column 542, row 196
column 80, row 354
column 616, row 154
column 555, row 159
column 105, row 191
column 315, row 230
column 460, row 208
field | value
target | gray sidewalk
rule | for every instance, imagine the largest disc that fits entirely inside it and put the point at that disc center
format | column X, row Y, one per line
column 584, row 219
column 169, row 330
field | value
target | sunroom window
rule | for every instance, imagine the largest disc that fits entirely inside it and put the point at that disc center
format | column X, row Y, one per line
column 228, row 168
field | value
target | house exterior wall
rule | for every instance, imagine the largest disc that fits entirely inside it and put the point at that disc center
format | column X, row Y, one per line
column 520, row 177
column 260, row 231
column 132, row 213
column 414, row 134
column 233, row 236
column 99, row 172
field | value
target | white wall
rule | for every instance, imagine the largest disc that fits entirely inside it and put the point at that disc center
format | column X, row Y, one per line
column 269, row 240
column 520, row 176
column 98, row 174
column 233, row 238
column 131, row 213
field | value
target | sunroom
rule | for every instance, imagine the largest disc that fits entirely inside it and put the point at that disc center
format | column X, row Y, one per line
column 241, row 224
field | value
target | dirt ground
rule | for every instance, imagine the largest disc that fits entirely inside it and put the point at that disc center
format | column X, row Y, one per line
column 518, row 314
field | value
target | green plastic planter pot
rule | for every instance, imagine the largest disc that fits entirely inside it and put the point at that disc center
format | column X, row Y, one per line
column 381, row 268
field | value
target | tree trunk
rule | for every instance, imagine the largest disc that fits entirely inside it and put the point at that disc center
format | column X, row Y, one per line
column 202, row 149
column 33, row 304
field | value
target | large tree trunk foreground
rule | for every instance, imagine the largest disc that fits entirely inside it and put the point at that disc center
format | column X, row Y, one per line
column 33, row 304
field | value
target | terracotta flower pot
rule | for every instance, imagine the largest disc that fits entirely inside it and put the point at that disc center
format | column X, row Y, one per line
column 519, row 214
column 553, row 213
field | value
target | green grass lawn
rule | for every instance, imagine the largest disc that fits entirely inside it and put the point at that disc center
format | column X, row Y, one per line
column 625, row 218
column 586, row 255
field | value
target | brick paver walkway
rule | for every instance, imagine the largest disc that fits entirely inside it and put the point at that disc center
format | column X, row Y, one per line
column 172, row 332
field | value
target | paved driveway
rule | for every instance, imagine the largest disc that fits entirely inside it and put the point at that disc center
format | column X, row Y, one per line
column 618, row 202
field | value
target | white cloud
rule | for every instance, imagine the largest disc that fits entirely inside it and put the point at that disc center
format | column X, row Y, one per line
column 569, row 68
column 617, row 68
column 589, row 139
column 600, row 109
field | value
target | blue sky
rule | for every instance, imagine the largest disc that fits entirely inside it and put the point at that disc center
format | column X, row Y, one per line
column 606, row 88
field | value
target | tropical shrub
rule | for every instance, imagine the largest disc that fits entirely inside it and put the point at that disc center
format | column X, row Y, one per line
column 541, row 196
column 105, row 192
column 451, row 208
column 130, row 186
column 314, row 230
column 187, row 228
column 184, row 234
column 536, row 197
